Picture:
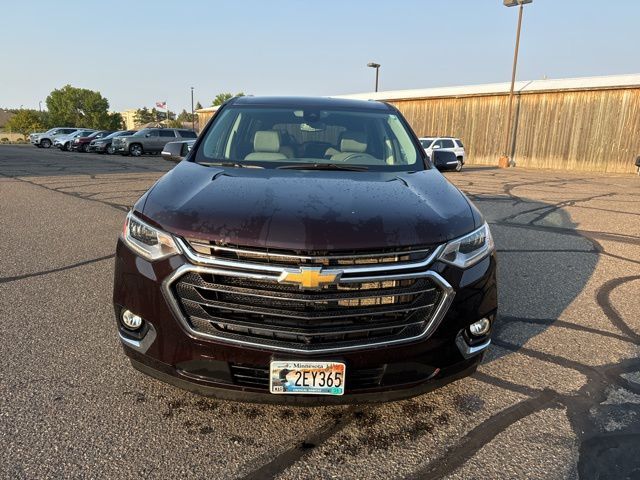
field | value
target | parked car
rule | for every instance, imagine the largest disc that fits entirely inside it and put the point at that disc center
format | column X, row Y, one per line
column 445, row 160
column 261, row 273
column 448, row 144
column 176, row 151
column 150, row 140
column 105, row 145
column 64, row 142
column 81, row 144
column 46, row 139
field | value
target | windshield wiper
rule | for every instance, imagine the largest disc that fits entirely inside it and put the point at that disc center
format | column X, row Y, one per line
column 229, row 164
column 325, row 166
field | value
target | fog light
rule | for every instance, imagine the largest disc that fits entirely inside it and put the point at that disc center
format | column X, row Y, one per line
column 130, row 320
column 479, row 328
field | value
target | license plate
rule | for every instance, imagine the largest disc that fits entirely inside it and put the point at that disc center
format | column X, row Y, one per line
column 317, row 378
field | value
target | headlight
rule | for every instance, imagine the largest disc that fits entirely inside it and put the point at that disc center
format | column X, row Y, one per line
column 466, row 251
column 151, row 243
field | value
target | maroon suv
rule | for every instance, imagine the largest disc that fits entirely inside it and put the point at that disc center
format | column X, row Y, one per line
column 81, row 144
column 306, row 251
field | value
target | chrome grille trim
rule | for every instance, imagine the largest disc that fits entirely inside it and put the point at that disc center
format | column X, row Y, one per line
column 312, row 334
column 269, row 312
column 268, row 255
column 436, row 317
column 359, row 271
column 373, row 293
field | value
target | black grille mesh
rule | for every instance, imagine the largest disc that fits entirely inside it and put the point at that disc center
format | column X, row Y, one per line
column 273, row 314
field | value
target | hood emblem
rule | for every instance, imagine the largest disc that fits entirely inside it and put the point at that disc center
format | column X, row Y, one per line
column 309, row 277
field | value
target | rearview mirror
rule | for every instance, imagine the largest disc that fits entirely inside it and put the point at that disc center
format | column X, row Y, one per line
column 175, row 151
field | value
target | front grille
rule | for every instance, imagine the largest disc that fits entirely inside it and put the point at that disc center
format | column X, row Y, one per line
column 258, row 377
column 244, row 306
column 315, row 258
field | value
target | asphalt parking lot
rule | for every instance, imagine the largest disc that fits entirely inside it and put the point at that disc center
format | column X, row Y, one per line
column 558, row 394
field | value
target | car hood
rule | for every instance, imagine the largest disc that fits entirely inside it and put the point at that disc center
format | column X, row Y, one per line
column 307, row 210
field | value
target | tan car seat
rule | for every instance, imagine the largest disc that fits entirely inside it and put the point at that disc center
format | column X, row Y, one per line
column 351, row 142
column 266, row 146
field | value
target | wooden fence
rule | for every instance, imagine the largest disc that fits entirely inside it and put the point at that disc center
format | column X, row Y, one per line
column 595, row 130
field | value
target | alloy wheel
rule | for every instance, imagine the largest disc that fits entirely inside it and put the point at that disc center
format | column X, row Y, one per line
column 135, row 150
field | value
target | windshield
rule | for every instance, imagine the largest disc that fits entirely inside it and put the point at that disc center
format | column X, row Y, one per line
column 289, row 137
column 123, row 133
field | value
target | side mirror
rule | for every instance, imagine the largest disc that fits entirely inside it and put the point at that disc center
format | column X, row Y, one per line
column 147, row 134
column 175, row 151
column 444, row 160
column 435, row 147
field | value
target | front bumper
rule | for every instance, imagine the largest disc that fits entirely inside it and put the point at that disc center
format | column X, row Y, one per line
column 98, row 147
column 208, row 366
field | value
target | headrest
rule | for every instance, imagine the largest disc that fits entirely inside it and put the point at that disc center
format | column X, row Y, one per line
column 353, row 142
column 266, row 141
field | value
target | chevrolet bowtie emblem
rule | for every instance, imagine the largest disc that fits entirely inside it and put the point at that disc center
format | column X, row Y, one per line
column 309, row 277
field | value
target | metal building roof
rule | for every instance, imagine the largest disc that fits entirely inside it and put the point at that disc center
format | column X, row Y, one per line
column 580, row 83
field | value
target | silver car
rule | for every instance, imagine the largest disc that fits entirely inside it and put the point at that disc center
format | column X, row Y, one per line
column 46, row 139
column 150, row 140
column 63, row 142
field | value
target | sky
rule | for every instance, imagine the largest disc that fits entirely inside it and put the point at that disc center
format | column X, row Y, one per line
column 137, row 52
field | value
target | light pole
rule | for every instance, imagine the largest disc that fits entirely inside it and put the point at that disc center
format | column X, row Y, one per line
column 505, row 161
column 193, row 120
column 40, row 105
column 377, row 67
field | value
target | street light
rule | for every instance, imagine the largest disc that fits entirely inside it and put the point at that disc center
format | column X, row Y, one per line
column 377, row 67
column 505, row 161
column 193, row 119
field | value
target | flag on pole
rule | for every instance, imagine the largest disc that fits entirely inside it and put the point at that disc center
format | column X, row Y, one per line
column 161, row 105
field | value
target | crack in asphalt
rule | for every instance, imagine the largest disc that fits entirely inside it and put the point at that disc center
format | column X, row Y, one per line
column 117, row 206
column 590, row 396
column 482, row 434
column 603, row 297
column 54, row 270
column 294, row 454
column 563, row 324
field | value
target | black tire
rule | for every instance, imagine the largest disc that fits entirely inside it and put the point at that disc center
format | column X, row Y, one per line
column 136, row 150
column 65, row 147
column 110, row 149
column 458, row 166
column 45, row 143
column 84, row 148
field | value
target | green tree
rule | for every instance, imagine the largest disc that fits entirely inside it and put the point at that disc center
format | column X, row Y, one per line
column 223, row 97
column 175, row 123
column 116, row 122
column 144, row 115
column 186, row 116
column 24, row 122
column 198, row 106
column 78, row 107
